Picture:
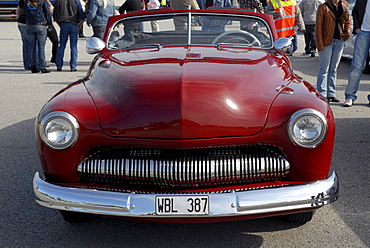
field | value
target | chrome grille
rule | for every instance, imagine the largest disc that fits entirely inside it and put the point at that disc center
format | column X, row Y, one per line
column 184, row 167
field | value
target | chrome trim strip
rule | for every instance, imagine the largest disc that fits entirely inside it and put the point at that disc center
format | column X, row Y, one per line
column 260, row 201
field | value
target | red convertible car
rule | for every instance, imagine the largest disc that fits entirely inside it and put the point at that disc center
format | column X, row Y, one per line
column 187, row 116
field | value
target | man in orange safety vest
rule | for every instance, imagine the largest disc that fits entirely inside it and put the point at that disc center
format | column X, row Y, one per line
column 287, row 17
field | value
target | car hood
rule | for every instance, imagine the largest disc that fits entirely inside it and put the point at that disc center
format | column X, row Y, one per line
column 186, row 93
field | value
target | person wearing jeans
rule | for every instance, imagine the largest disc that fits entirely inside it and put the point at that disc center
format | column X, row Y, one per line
column 71, row 30
column 327, row 75
column 38, row 18
column 332, row 29
column 361, row 28
column 69, row 15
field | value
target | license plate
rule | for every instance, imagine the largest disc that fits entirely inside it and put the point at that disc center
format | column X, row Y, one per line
column 182, row 205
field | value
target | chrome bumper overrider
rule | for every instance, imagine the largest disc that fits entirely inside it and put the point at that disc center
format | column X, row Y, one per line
column 259, row 201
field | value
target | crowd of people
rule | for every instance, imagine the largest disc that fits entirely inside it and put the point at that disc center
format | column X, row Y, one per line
column 326, row 26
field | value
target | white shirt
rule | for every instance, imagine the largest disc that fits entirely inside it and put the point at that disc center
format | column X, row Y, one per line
column 366, row 22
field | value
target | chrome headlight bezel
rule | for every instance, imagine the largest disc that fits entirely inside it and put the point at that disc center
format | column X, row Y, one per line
column 70, row 126
column 310, row 120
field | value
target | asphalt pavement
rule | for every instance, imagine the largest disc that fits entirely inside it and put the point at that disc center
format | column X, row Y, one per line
column 23, row 223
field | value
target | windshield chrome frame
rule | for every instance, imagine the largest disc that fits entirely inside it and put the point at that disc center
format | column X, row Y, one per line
column 190, row 14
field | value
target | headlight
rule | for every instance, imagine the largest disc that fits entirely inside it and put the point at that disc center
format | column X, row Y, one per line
column 307, row 128
column 59, row 130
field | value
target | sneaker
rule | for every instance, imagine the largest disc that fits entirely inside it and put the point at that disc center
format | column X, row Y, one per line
column 312, row 54
column 333, row 99
column 59, row 69
column 45, row 71
column 348, row 103
column 73, row 70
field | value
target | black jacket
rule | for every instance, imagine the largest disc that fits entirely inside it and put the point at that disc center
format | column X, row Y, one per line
column 130, row 5
column 67, row 11
column 358, row 13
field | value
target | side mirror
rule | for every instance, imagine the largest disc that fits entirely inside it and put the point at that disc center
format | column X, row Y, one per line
column 94, row 45
column 284, row 44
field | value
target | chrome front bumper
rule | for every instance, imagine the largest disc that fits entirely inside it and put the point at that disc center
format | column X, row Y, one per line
column 261, row 201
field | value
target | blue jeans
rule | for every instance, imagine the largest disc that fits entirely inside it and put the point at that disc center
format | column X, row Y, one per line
column 294, row 42
column 36, row 36
column 329, row 61
column 68, row 29
column 23, row 30
column 361, row 49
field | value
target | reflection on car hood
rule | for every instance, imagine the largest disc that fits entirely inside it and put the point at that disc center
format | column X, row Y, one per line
column 184, row 93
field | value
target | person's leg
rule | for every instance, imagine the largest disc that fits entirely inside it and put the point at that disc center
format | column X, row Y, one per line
column 23, row 31
column 53, row 37
column 295, row 43
column 64, row 30
column 40, row 43
column 307, row 36
column 73, row 39
column 361, row 49
column 313, row 39
column 322, row 77
column 336, row 55
column 31, row 38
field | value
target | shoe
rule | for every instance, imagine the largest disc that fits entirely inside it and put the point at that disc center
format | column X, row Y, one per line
column 45, row 71
column 313, row 54
column 73, row 70
column 34, row 70
column 333, row 99
column 59, row 69
column 348, row 103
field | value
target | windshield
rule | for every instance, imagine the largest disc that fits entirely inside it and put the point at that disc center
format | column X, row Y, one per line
column 205, row 29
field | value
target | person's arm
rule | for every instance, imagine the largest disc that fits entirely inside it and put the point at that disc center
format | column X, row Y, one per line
column 299, row 20
column 47, row 14
column 92, row 12
column 81, row 14
column 194, row 4
column 269, row 9
column 319, row 28
column 356, row 18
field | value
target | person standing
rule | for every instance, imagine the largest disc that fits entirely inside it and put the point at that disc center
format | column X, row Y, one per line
column 53, row 36
column 131, row 28
column 332, row 29
column 69, row 15
column 287, row 17
column 181, row 22
column 212, row 24
column 361, row 28
column 309, row 9
column 154, row 4
column 22, row 27
column 99, row 12
column 38, row 18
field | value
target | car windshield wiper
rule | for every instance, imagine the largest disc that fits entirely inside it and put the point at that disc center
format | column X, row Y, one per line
column 146, row 45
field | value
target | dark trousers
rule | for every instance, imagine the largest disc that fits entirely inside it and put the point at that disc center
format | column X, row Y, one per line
column 53, row 37
column 309, row 38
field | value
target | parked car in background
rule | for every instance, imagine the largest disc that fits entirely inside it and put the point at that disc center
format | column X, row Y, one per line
column 186, row 125
column 349, row 44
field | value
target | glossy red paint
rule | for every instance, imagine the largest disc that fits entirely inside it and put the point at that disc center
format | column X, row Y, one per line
column 188, row 97
column 168, row 92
